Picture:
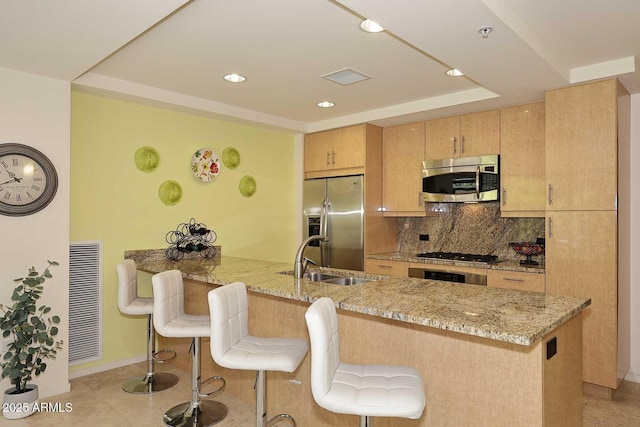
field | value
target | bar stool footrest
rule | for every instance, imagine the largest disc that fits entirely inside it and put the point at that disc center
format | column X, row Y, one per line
column 214, row 392
column 166, row 359
column 282, row 417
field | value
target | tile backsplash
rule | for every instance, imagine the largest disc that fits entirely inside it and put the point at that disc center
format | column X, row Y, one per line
column 469, row 228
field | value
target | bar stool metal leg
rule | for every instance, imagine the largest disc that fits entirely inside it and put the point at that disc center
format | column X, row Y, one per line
column 152, row 381
column 197, row 413
column 261, row 404
column 366, row 421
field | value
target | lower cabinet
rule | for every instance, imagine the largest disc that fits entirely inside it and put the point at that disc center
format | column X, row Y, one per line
column 516, row 280
column 386, row 268
column 581, row 260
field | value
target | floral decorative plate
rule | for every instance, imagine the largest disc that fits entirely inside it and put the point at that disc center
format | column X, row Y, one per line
column 205, row 165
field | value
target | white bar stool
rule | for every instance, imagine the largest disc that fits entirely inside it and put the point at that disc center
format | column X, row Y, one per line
column 232, row 347
column 130, row 303
column 363, row 390
column 170, row 320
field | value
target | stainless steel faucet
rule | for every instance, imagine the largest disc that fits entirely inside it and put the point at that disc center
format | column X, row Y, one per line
column 300, row 265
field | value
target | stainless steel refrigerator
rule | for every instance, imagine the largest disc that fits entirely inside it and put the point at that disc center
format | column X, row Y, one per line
column 335, row 207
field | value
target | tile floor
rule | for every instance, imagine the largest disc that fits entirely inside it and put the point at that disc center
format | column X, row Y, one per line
column 98, row 400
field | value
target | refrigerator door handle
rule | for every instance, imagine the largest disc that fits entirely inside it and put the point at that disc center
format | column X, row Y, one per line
column 324, row 226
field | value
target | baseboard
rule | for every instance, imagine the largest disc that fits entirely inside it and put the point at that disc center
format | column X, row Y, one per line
column 106, row 367
column 634, row 378
column 598, row 391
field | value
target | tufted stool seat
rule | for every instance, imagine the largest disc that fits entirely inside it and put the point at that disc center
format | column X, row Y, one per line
column 130, row 303
column 170, row 320
column 232, row 347
column 363, row 390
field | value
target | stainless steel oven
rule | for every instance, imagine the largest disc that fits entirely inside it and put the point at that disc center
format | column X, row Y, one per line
column 448, row 274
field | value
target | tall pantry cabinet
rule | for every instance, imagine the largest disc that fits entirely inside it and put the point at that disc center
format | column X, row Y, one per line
column 588, row 220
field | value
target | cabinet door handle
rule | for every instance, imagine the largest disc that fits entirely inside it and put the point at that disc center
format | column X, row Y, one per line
column 550, row 229
column 385, row 266
column 462, row 145
column 328, row 159
column 550, row 194
column 455, row 145
column 419, row 199
column 333, row 158
column 504, row 196
column 511, row 279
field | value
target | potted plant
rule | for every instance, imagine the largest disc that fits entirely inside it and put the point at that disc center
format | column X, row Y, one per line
column 32, row 330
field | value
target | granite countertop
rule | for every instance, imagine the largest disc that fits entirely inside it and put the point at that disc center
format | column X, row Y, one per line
column 498, row 314
column 507, row 265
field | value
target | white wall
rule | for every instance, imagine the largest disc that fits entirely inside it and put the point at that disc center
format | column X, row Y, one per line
column 634, row 373
column 35, row 111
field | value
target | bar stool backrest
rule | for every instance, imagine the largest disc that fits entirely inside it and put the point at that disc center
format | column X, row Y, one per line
column 322, row 322
column 229, row 308
column 127, row 284
column 168, row 302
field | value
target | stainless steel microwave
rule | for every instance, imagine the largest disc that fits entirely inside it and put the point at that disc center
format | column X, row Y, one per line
column 461, row 179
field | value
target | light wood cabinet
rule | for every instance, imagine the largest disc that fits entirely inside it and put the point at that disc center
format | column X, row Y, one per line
column 581, row 261
column 443, row 138
column 386, row 268
column 402, row 156
column 519, row 280
column 581, row 161
column 588, row 219
column 337, row 151
column 522, row 161
column 474, row 134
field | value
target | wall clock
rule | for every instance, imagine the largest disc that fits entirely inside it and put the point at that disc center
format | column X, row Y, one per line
column 28, row 180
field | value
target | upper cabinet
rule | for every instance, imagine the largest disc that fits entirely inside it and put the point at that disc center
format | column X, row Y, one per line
column 402, row 155
column 335, row 152
column 522, row 161
column 581, row 147
column 475, row 134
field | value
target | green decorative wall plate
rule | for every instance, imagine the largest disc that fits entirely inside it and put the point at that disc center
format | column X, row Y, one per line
column 170, row 193
column 247, row 186
column 146, row 159
column 231, row 158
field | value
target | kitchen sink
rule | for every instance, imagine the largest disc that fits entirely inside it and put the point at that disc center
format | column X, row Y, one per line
column 315, row 276
column 334, row 279
column 347, row 280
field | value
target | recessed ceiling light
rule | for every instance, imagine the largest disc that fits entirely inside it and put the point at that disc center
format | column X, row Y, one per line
column 454, row 72
column 370, row 26
column 235, row 78
column 325, row 104
column 485, row 31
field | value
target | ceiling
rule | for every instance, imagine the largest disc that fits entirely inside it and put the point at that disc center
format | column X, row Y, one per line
column 174, row 53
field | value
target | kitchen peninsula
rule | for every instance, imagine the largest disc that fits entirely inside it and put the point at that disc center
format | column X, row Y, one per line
column 488, row 356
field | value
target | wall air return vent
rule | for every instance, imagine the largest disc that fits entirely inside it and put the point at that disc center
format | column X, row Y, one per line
column 85, row 302
column 346, row 76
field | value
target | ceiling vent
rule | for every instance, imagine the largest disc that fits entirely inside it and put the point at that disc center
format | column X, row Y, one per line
column 346, row 76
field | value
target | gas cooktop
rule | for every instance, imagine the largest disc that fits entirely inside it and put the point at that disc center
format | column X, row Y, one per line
column 456, row 256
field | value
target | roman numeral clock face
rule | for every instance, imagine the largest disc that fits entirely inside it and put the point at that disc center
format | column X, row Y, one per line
column 28, row 180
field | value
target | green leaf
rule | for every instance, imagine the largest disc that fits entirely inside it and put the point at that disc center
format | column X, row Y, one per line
column 53, row 331
column 55, row 319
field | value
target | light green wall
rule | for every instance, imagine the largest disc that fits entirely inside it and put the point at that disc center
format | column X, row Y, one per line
column 112, row 201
